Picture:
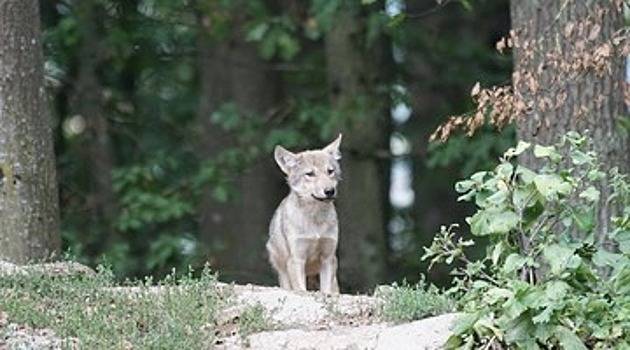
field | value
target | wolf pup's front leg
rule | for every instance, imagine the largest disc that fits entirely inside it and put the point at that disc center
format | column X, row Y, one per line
column 303, row 233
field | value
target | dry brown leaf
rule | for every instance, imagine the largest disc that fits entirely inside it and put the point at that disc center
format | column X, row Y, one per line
column 594, row 32
column 568, row 29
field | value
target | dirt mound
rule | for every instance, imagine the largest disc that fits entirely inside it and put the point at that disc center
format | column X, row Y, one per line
column 256, row 317
column 310, row 320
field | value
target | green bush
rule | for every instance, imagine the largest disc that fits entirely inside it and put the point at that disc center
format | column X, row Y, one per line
column 553, row 276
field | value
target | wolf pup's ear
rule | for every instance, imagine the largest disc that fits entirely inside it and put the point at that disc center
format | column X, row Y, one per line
column 285, row 159
column 333, row 148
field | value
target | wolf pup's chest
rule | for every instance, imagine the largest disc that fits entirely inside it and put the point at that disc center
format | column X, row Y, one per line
column 313, row 225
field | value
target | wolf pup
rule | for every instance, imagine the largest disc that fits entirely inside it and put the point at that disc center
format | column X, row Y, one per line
column 304, row 229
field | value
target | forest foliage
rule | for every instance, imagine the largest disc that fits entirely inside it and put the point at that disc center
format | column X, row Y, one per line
column 144, row 63
column 547, row 276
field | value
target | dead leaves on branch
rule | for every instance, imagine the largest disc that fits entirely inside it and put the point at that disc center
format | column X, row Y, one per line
column 548, row 66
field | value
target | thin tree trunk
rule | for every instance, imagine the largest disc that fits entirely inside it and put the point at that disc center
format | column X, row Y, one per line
column 231, row 71
column 29, row 212
column 353, row 77
column 570, row 30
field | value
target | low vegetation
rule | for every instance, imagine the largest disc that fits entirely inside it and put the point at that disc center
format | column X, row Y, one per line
column 252, row 320
column 405, row 303
column 555, row 275
column 100, row 315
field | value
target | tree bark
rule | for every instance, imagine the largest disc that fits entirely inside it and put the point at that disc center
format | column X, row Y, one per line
column 354, row 76
column 231, row 71
column 29, row 211
column 550, row 32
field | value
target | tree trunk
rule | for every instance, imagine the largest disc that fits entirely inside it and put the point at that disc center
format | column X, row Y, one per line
column 86, row 101
column 29, row 211
column 231, row 71
column 550, row 32
column 353, row 76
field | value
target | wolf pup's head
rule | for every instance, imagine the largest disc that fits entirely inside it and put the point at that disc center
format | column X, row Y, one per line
column 312, row 174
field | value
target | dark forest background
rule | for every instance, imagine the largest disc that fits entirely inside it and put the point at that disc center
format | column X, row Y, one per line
column 167, row 112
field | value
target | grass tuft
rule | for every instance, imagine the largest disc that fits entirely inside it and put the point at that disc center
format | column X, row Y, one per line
column 101, row 315
column 252, row 320
column 405, row 303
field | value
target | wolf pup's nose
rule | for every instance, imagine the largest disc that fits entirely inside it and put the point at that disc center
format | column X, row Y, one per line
column 329, row 192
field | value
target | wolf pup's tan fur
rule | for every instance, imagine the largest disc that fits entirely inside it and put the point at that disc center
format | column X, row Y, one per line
column 304, row 230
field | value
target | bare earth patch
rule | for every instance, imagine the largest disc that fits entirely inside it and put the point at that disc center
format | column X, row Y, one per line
column 310, row 320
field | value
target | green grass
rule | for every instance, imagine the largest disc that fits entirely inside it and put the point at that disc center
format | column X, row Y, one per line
column 407, row 303
column 101, row 316
column 253, row 320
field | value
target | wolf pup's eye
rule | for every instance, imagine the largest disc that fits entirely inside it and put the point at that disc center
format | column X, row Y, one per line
column 310, row 174
column 331, row 171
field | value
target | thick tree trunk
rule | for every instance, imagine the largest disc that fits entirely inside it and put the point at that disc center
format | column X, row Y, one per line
column 29, row 212
column 231, row 71
column 550, row 32
column 353, row 77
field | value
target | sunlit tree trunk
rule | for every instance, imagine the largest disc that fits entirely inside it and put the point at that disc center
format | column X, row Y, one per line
column 29, row 213
column 236, row 231
column 354, row 78
column 553, row 31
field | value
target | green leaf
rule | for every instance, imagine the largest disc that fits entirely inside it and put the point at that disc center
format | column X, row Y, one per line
column 503, row 222
column 591, row 194
column 621, row 280
column 547, row 152
column 465, row 3
column 595, row 174
column 220, row 193
column 543, row 332
column 267, row 47
column 556, row 290
column 521, row 147
column 561, row 258
column 497, row 198
column 544, row 316
column 623, row 239
column 578, row 157
column 584, row 218
column 495, row 294
column 485, row 223
column 325, row 12
column 497, row 251
column 519, row 330
column 524, row 196
column 525, row 174
column 532, row 213
column 550, row 185
column 479, row 176
column 288, row 46
column 505, row 170
column 568, row 340
column 257, row 32
column 513, row 262
column 604, row 258
column 465, row 323
column 464, row 186
column 453, row 342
